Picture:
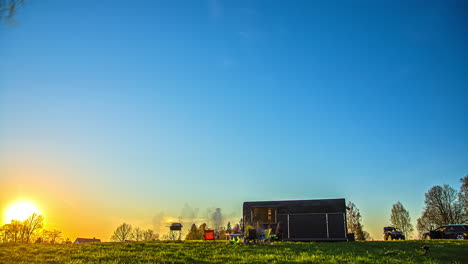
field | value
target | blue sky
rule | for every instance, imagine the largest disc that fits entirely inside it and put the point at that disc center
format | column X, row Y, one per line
column 154, row 104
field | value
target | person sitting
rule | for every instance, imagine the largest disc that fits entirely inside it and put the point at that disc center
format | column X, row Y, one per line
column 236, row 229
column 235, row 234
column 260, row 231
column 250, row 234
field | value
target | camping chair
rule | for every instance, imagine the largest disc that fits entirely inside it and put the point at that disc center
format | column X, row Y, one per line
column 267, row 237
column 234, row 238
column 209, row 235
column 275, row 237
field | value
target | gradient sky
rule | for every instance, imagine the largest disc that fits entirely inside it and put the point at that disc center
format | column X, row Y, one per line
column 115, row 111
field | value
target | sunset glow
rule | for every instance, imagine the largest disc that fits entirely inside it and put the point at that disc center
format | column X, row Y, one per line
column 20, row 211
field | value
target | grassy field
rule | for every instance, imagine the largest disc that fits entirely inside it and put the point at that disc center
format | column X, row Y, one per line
column 448, row 251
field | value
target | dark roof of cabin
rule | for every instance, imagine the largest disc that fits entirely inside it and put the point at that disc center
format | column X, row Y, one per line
column 302, row 206
column 286, row 201
column 87, row 240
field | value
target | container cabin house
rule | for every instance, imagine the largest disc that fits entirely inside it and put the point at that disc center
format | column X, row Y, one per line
column 300, row 220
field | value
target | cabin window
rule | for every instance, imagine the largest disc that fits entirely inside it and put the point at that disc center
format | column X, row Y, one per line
column 263, row 215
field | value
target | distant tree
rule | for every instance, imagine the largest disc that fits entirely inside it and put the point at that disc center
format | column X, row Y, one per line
column 400, row 218
column 31, row 225
column 51, row 236
column 149, row 235
column 7, row 234
column 26, row 231
column 193, row 233
column 367, row 236
column 137, row 234
column 463, row 197
column 54, row 236
column 201, row 230
column 122, row 233
column 8, row 9
column 353, row 218
column 12, row 231
column 424, row 223
column 22, row 234
column 442, row 208
column 228, row 227
column 3, row 234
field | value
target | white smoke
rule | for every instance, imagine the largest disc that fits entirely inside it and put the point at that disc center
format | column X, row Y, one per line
column 216, row 219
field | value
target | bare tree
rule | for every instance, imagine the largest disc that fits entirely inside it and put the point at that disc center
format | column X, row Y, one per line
column 51, row 235
column 31, row 225
column 12, row 232
column 8, row 9
column 3, row 234
column 137, row 234
column 463, row 197
column 353, row 218
column 424, row 223
column 444, row 202
column 201, row 230
column 149, row 235
column 15, row 230
column 400, row 218
column 122, row 233
column 193, row 233
column 442, row 208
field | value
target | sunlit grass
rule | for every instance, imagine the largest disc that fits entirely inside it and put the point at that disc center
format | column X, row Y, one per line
column 449, row 251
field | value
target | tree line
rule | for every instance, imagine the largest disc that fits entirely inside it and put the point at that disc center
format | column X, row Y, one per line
column 399, row 218
column 198, row 233
column 29, row 230
column 443, row 205
column 125, row 232
column 354, row 221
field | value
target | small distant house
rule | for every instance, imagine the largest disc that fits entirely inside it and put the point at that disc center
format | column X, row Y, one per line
column 86, row 240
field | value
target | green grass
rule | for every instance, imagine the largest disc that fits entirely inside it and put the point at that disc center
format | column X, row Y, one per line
column 447, row 251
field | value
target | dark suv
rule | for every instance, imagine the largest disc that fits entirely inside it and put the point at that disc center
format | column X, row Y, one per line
column 392, row 233
column 448, row 232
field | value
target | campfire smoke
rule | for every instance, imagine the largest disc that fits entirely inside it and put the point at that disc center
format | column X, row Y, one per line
column 188, row 214
column 216, row 219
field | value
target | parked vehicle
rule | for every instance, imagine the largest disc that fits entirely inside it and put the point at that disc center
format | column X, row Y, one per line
column 392, row 233
column 448, row 232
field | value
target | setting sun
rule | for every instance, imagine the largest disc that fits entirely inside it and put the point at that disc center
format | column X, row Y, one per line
column 20, row 211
